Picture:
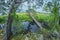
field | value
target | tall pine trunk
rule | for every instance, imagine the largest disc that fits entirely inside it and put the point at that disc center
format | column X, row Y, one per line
column 8, row 25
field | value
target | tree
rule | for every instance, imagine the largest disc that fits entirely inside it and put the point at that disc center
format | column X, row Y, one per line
column 2, row 7
column 56, row 14
column 53, row 7
column 8, row 24
column 13, row 5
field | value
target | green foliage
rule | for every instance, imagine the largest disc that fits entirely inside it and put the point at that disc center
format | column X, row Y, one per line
column 3, row 19
column 53, row 7
column 22, row 17
column 17, row 26
column 44, row 17
column 26, row 17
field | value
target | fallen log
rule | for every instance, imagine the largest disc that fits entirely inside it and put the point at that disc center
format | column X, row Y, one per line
column 37, row 23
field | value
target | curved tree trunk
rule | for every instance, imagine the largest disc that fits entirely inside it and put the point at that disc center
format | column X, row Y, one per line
column 8, row 25
column 14, row 6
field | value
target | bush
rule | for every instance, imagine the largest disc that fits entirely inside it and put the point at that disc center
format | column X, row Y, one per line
column 3, row 19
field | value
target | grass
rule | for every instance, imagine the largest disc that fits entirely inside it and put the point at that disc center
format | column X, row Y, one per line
column 33, row 36
column 26, row 17
column 29, row 36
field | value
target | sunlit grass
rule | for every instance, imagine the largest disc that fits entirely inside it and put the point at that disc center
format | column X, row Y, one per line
column 26, row 17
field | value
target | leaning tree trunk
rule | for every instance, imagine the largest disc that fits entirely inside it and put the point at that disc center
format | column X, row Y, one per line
column 37, row 23
column 33, row 18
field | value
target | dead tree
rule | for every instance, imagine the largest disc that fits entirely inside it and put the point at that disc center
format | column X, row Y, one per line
column 37, row 23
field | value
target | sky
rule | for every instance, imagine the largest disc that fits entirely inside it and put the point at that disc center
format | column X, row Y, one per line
column 25, row 6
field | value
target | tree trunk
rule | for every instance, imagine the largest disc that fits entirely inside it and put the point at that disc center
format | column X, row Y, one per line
column 7, row 31
column 14, row 6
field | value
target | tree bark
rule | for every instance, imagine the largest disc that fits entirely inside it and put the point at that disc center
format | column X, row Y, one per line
column 7, row 31
column 14, row 6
